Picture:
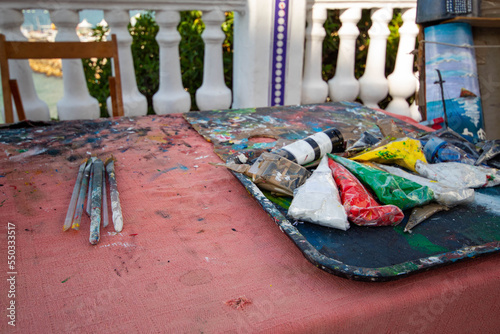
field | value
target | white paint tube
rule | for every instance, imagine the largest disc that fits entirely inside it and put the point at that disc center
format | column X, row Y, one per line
column 458, row 175
column 443, row 193
column 318, row 201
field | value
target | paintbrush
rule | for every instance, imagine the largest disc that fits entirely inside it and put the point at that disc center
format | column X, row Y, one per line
column 105, row 216
column 89, row 201
column 114, row 195
column 74, row 197
column 81, row 197
column 95, row 213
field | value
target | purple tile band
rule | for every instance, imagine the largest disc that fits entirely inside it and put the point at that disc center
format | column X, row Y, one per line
column 278, row 70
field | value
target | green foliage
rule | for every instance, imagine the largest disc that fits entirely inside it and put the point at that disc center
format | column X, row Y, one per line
column 145, row 51
column 97, row 72
column 146, row 55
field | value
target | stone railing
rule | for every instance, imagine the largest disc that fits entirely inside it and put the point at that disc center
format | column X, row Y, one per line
column 270, row 64
column 372, row 87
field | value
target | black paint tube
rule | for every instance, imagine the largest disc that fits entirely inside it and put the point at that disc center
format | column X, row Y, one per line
column 313, row 147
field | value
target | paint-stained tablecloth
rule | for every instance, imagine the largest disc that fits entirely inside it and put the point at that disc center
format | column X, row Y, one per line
column 197, row 252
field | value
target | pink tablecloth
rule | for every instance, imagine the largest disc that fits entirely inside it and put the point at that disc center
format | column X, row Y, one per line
column 193, row 240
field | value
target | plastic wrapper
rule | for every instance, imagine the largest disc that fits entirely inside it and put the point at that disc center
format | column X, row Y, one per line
column 362, row 209
column 277, row 174
column 317, row 200
column 443, row 193
column 404, row 152
column 390, row 189
column 420, row 214
column 458, row 175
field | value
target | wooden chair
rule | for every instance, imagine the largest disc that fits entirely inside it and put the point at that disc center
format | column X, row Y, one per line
column 44, row 50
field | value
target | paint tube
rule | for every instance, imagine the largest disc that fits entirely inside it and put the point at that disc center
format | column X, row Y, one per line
column 362, row 209
column 390, row 189
column 458, row 175
column 313, row 147
column 420, row 214
column 404, row 152
column 277, row 174
column 365, row 141
column 443, row 193
column 490, row 154
column 437, row 150
column 453, row 138
column 317, row 200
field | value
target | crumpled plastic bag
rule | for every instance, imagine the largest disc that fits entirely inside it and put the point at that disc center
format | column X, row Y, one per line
column 404, row 152
column 362, row 209
column 459, row 175
column 443, row 193
column 317, row 200
column 390, row 189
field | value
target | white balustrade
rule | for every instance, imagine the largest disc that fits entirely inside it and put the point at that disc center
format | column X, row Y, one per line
column 213, row 93
column 76, row 102
column 344, row 86
column 373, row 83
column 252, row 48
column 171, row 96
column 34, row 108
column 134, row 103
column 314, row 89
column 402, row 83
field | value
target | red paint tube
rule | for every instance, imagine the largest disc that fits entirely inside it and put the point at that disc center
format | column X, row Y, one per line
column 362, row 209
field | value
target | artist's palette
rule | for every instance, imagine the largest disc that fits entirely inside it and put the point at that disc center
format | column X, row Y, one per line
column 388, row 253
column 361, row 253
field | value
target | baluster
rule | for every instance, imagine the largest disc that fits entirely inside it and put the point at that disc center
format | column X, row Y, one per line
column 76, row 102
column 414, row 111
column 373, row 83
column 171, row 96
column 314, row 89
column 34, row 108
column 344, row 86
column 402, row 81
column 213, row 93
column 134, row 103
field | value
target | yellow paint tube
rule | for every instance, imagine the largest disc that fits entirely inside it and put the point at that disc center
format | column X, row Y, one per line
column 404, row 152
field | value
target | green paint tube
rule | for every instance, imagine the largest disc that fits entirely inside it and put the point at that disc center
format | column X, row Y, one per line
column 389, row 189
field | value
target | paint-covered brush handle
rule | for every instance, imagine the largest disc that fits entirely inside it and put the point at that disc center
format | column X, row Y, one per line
column 74, row 197
column 96, row 205
column 115, row 197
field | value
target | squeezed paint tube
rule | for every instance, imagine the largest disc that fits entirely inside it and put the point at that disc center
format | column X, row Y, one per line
column 420, row 214
column 81, row 198
column 74, row 197
column 317, row 200
column 458, row 175
column 277, row 174
column 404, row 152
column 116, row 208
column 362, row 209
column 95, row 213
column 365, row 141
column 390, row 189
column 491, row 151
column 443, row 194
column 437, row 150
column 313, row 147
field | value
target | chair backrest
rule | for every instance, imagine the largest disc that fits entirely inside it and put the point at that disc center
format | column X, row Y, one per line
column 43, row 50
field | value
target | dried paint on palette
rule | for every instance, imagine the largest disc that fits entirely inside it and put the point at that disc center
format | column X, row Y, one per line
column 233, row 131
